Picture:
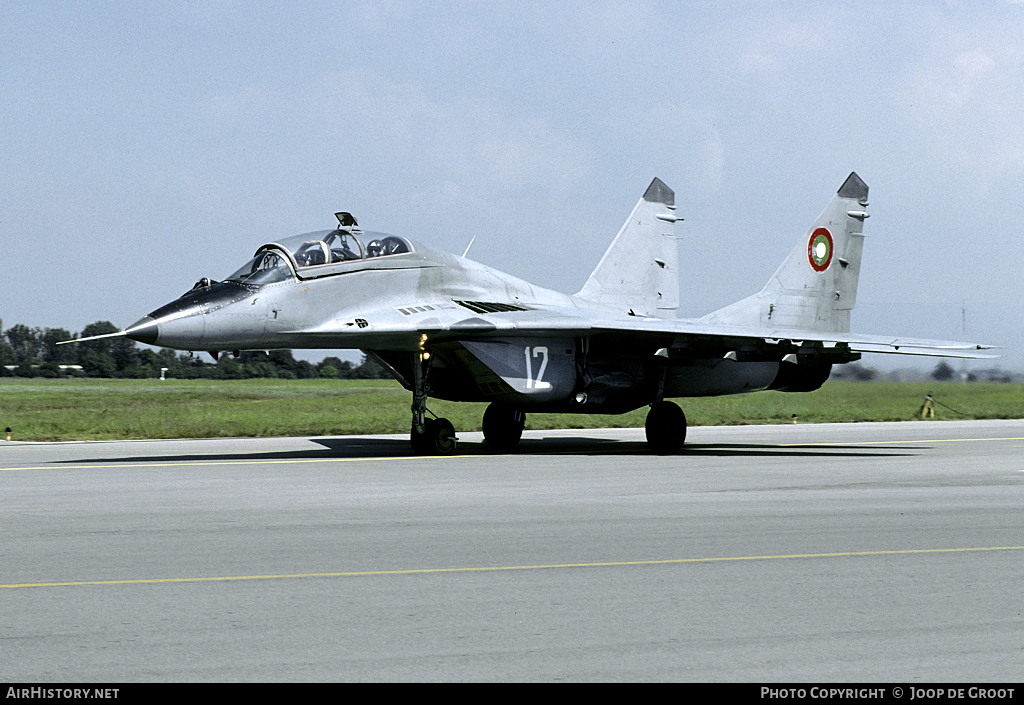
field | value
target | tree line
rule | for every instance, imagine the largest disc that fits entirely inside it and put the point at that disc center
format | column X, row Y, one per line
column 34, row 352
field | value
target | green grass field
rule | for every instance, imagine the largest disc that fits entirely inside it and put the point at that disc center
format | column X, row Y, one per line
column 69, row 409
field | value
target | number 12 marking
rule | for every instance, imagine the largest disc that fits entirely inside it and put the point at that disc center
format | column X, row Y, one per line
column 538, row 383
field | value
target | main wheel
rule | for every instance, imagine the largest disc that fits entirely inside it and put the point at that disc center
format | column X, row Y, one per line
column 666, row 427
column 503, row 426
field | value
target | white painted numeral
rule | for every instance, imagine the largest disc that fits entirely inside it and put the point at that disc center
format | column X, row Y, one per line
column 539, row 382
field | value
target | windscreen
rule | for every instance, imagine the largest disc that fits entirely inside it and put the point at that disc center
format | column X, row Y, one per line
column 267, row 267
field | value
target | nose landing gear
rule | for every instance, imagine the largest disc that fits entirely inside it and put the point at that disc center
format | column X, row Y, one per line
column 436, row 438
column 427, row 436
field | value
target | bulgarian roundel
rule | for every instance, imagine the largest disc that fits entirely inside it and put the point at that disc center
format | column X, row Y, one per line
column 819, row 250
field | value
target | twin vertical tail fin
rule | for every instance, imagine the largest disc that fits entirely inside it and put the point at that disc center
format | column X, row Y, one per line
column 639, row 274
column 816, row 287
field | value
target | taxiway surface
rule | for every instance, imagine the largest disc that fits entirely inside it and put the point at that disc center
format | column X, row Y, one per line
column 862, row 552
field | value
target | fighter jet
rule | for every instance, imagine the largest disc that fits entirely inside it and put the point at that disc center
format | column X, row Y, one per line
column 450, row 328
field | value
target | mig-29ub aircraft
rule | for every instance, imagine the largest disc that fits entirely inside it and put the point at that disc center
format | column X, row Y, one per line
column 451, row 328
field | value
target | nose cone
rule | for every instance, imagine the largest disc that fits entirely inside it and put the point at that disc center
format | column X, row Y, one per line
column 145, row 330
column 185, row 323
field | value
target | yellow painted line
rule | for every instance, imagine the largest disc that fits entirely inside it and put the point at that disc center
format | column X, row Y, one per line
column 86, row 465
column 414, row 571
column 879, row 443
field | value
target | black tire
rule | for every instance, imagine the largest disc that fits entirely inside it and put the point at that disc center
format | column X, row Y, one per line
column 421, row 443
column 442, row 437
column 438, row 438
column 503, row 426
column 666, row 427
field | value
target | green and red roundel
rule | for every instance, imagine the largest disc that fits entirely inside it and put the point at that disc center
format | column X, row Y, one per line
column 819, row 250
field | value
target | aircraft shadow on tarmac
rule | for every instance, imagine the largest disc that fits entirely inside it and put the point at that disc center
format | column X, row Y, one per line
column 358, row 447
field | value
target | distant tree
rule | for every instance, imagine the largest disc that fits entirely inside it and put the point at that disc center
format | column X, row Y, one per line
column 370, row 369
column 257, row 364
column 6, row 354
column 124, row 352
column 165, row 357
column 231, row 367
column 147, row 358
column 99, row 328
column 333, row 367
column 195, row 366
column 47, row 369
column 96, row 364
column 24, row 343
column 328, row 368
column 864, row 374
column 6, row 357
column 95, row 355
column 282, row 360
column 290, row 368
column 943, row 372
column 304, row 369
column 855, row 372
column 35, row 352
column 60, row 354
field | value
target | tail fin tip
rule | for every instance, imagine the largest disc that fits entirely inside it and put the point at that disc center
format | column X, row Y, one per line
column 854, row 187
column 659, row 192
column 806, row 292
column 639, row 270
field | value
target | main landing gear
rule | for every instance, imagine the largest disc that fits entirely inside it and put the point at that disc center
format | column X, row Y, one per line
column 503, row 423
column 503, row 426
column 666, row 427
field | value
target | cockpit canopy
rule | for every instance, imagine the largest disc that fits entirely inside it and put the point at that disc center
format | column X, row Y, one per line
column 316, row 254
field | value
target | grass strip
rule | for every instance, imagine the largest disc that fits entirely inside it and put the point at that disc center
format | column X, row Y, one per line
column 92, row 409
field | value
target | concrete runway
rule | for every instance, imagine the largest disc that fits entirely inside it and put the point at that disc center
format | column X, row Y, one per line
column 861, row 552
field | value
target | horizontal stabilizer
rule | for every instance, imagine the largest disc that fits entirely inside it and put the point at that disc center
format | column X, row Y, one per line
column 685, row 330
column 927, row 348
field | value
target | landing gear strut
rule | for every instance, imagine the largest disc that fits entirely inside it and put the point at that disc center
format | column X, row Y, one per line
column 666, row 427
column 503, row 426
column 428, row 436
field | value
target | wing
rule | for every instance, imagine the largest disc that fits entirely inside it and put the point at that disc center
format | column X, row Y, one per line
column 450, row 322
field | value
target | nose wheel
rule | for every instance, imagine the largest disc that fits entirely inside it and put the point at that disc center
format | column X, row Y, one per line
column 427, row 436
column 436, row 438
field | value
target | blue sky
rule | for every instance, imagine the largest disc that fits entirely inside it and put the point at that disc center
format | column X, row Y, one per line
column 147, row 144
